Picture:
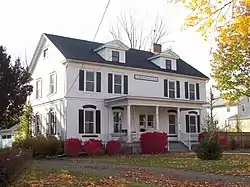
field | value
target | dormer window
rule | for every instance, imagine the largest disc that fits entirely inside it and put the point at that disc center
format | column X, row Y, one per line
column 115, row 56
column 168, row 64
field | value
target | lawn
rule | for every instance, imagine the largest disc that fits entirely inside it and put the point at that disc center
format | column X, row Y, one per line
column 229, row 164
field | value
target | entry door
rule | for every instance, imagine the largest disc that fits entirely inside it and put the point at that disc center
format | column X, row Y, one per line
column 172, row 123
column 118, row 121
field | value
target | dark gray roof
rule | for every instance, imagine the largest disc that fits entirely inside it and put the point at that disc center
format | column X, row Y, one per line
column 83, row 50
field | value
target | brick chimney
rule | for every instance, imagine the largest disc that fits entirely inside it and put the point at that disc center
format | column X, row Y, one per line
column 157, row 48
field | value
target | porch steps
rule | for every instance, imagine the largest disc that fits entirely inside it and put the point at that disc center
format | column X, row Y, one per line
column 176, row 146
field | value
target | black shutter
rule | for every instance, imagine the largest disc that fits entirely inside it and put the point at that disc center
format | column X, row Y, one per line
column 81, row 80
column 198, row 123
column 110, row 83
column 187, row 123
column 125, row 86
column 98, row 121
column 197, row 91
column 98, row 81
column 165, row 88
column 81, row 121
column 186, row 90
column 178, row 89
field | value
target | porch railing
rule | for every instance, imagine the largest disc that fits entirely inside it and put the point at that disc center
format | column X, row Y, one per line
column 135, row 137
column 185, row 138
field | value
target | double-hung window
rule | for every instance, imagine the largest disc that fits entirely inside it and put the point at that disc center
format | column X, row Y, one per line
column 171, row 89
column 115, row 56
column 52, row 122
column 118, row 84
column 38, row 88
column 52, row 83
column 146, row 121
column 191, row 91
column 90, row 81
column 89, row 121
column 168, row 64
column 192, row 123
column 117, row 121
column 38, row 123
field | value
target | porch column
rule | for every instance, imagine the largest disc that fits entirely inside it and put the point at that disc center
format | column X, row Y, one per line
column 157, row 118
column 178, row 118
column 129, row 123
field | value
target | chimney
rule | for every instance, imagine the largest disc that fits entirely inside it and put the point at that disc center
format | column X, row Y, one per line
column 157, row 48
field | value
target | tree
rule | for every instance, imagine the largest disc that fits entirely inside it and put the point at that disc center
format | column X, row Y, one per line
column 14, row 89
column 128, row 27
column 229, row 21
column 23, row 130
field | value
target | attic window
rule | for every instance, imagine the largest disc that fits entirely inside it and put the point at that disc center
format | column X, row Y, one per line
column 168, row 64
column 45, row 53
column 115, row 56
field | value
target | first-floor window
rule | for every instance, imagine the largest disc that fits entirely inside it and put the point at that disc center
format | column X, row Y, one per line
column 89, row 121
column 52, row 122
column 142, row 121
column 117, row 117
column 146, row 121
column 192, row 123
column 172, row 124
column 38, row 123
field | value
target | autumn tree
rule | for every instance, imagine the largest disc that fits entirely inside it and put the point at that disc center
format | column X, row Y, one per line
column 229, row 22
column 128, row 29
column 14, row 89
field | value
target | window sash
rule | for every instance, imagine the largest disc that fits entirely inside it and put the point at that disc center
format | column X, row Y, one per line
column 90, row 81
column 52, row 82
column 192, row 124
column 168, row 64
column 115, row 56
column 38, row 89
column 118, row 84
column 171, row 89
column 38, row 123
column 145, row 122
column 191, row 91
column 89, row 122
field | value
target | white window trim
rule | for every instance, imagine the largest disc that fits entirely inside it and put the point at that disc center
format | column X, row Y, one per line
column 55, row 83
column 40, row 125
column 189, row 91
column 122, row 119
column 49, row 123
column 94, row 121
column 166, row 63
column 85, row 80
column 196, row 124
column 146, row 115
column 172, row 90
column 122, row 83
column 119, row 57
column 40, row 92
column 174, row 114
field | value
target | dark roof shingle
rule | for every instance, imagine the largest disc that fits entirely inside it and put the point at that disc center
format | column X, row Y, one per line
column 83, row 50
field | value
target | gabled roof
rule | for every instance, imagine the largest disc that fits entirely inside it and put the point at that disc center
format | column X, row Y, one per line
column 82, row 50
column 114, row 45
column 167, row 54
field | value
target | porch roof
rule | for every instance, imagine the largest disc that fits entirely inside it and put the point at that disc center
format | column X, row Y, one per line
column 154, row 101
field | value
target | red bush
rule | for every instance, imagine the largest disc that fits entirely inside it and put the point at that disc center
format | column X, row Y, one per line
column 113, row 147
column 73, row 147
column 153, row 142
column 93, row 147
column 220, row 136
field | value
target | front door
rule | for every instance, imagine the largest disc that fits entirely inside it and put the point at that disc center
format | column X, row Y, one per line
column 172, row 123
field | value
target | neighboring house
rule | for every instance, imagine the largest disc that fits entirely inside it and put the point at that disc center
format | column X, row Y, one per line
column 7, row 137
column 88, row 90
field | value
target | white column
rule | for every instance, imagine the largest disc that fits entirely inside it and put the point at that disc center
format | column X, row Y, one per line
column 129, row 123
column 178, row 118
column 157, row 118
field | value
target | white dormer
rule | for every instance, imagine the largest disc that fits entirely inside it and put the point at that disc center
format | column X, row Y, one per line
column 166, row 59
column 113, row 51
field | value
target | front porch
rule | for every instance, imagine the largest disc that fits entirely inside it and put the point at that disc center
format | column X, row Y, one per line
column 131, row 116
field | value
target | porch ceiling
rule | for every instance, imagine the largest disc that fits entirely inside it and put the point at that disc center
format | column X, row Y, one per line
column 154, row 101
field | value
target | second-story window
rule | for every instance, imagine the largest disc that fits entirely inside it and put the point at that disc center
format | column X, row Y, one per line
column 118, row 84
column 191, row 91
column 171, row 89
column 90, row 81
column 243, row 108
column 115, row 56
column 168, row 64
column 52, row 83
column 38, row 88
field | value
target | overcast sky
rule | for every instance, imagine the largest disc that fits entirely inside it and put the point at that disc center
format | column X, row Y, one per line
column 23, row 22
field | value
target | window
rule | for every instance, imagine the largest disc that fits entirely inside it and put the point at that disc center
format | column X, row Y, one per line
column 172, row 123
column 90, row 81
column 89, row 121
column 115, row 56
column 168, row 64
column 142, row 121
column 192, row 124
column 171, row 89
column 243, row 108
column 191, row 91
column 248, row 99
column 52, row 83
column 38, row 88
column 38, row 123
column 117, row 118
column 45, row 53
column 150, row 121
column 118, row 84
column 52, row 122
column 228, row 108
column 146, row 121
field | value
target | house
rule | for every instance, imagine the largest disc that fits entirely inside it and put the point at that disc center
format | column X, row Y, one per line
column 89, row 90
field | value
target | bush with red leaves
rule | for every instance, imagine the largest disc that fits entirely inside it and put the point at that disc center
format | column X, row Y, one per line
column 114, row 147
column 93, row 147
column 73, row 147
column 153, row 142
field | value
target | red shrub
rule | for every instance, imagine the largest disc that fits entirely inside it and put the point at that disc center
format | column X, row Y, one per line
column 153, row 142
column 73, row 147
column 220, row 136
column 113, row 147
column 93, row 147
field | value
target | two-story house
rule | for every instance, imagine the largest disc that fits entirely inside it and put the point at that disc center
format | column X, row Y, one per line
column 88, row 90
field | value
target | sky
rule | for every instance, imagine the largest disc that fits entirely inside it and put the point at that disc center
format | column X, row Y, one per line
column 23, row 22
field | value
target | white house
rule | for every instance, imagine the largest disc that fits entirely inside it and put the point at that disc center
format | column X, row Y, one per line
column 88, row 90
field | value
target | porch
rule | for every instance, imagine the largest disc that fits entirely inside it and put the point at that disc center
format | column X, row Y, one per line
column 131, row 116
